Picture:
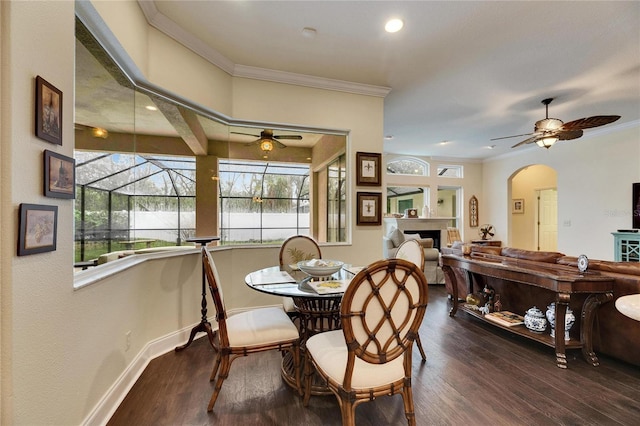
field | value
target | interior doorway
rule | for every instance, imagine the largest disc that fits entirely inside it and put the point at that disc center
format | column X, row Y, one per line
column 533, row 210
column 547, row 219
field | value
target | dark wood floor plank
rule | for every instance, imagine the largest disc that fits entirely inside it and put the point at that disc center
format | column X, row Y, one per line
column 474, row 374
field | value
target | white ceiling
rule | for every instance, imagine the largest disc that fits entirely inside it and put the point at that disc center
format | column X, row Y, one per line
column 459, row 71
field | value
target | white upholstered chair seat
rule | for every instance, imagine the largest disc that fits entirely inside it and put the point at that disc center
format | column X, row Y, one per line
column 329, row 351
column 259, row 327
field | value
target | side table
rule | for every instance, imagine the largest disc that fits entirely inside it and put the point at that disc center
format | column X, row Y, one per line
column 205, row 325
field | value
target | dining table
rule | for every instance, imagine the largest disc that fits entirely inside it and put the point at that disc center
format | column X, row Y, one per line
column 319, row 308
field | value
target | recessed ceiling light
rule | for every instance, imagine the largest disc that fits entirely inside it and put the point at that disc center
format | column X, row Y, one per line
column 393, row 25
column 444, row 142
column 309, row 32
column 151, row 108
column 388, row 137
column 491, row 146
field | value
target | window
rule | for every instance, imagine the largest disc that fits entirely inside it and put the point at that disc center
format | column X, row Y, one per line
column 122, row 198
column 408, row 166
column 262, row 202
column 450, row 171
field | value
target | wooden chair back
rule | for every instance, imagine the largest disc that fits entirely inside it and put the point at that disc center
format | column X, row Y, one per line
column 412, row 251
column 381, row 312
column 296, row 249
column 216, row 293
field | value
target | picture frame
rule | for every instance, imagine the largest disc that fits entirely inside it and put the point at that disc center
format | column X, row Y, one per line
column 368, row 168
column 369, row 208
column 38, row 229
column 48, row 112
column 59, row 175
column 517, row 206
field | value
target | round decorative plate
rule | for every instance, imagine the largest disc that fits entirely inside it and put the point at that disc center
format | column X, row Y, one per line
column 583, row 263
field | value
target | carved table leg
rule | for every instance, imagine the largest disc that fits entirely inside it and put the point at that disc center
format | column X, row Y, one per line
column 454, row 288
column 586, row 325
column 561, row 309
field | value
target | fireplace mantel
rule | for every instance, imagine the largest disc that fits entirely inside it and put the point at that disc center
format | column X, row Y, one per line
column 416, row 225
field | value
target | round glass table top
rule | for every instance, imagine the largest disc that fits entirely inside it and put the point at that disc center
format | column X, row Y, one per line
column 274, row 281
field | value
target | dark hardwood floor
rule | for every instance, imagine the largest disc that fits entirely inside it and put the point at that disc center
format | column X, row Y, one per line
column 474, row 374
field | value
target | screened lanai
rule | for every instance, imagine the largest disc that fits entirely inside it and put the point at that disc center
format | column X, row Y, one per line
column 134, row 201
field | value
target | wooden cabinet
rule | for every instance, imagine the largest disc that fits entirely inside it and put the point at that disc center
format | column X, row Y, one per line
column 626, row 246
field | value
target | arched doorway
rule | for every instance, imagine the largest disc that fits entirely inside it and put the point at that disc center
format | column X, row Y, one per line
column 533, row 214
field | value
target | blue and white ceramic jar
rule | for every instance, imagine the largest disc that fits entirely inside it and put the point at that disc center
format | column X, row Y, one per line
column 534, row 320
column 569, row 320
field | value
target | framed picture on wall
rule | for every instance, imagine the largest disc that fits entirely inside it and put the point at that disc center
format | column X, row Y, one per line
column 517, row 206
column 38, row 229
column 368, row 168
column 59, row 175
column 48, row 112
column 369, row 209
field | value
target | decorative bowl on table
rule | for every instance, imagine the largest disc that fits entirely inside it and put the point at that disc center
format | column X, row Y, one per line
column 320, row 267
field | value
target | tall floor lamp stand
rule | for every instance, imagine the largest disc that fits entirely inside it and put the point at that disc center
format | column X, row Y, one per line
column 205, row 325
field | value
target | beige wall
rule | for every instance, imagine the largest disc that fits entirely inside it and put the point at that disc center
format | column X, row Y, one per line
column 63, row 348
column 594, row 179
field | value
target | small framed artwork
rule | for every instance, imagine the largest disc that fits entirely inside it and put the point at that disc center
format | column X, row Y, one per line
column 59, row 175
column 517, row 206
column 368, row 168
column 38, row 229
column 48, row 112
column 369, row 209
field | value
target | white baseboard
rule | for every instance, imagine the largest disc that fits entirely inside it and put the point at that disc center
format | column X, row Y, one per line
column 112, row 399
column 105, row 408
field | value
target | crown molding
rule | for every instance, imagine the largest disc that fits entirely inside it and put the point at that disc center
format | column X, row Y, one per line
column 309, row 81
column 179, row 34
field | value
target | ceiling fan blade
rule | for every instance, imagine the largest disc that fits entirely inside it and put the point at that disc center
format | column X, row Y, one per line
column 279, row 144
column 529, row 140
column 589, row 122
column 246, row 134
column 514, row 136
column 291, row 137
column 252, row 142
column 565, row 135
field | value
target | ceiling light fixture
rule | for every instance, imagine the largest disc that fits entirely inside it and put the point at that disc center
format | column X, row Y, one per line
column 547, row 142
column 98, row 132
column 151, row 108
column 393, row 25
column 309, row 32
column 388, row 137
column 266, row 145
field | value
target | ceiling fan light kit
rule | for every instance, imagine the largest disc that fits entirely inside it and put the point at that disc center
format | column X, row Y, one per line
column 548, row 131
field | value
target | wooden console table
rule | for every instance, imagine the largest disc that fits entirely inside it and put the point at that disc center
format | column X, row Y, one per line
column 554, row 282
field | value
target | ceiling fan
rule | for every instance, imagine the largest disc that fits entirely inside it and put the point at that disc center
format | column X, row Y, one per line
column 550, row 130
column 267, row 140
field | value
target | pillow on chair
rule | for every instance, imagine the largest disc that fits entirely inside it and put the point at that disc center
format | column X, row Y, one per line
column 396, row 236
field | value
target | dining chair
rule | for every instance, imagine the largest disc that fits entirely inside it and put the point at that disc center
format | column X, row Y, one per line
column 247, row 332
column 370, row 356
column 412, row 251
column 295, row 249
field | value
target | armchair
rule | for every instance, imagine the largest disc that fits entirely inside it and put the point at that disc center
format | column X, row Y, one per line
column 432, row 270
